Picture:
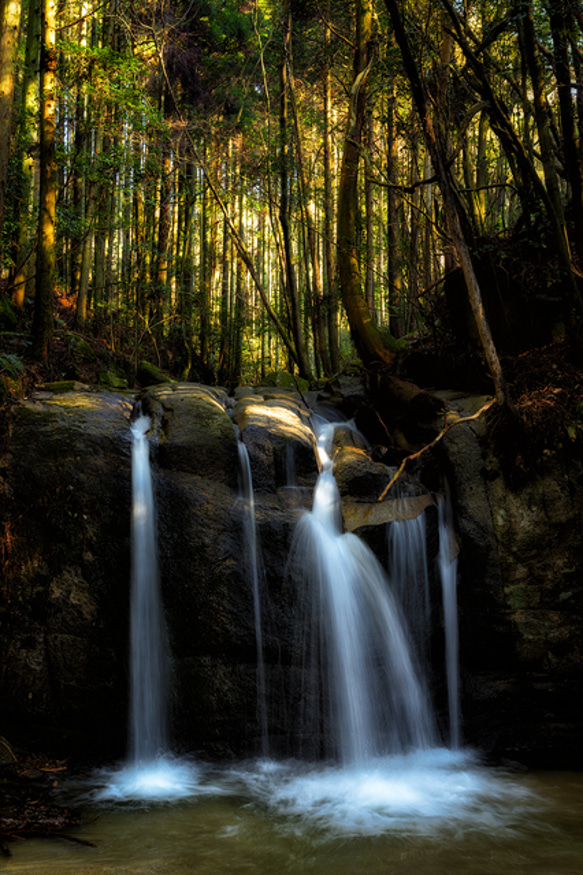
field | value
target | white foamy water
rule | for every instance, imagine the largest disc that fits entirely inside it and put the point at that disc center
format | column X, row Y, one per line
column 420, row 792
column 164, row 779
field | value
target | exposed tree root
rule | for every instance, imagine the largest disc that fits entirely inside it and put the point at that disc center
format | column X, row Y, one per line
column 420, row 452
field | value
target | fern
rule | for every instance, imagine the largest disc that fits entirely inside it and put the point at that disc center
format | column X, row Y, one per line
column 12, row 364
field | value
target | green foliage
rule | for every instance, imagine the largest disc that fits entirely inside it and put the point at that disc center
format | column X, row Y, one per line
column 11, row 364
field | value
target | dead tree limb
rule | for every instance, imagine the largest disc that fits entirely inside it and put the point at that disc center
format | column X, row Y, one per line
column 444, row 431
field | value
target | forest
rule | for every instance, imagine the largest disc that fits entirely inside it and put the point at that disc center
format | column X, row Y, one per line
column 235, row 190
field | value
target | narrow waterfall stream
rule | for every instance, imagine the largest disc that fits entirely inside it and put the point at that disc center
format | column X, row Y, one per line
column 252, row 557
column 151, row 771
column 148, row 657
column 447, row 561
column 409, row 578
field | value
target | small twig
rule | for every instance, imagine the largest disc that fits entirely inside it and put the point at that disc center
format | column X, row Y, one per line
column 416, row 455
column 300, row 393
column 387, row 432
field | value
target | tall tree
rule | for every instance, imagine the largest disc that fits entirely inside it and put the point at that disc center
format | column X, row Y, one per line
column 291, row 282
column 450, row 200
column 46, row 251
column 365, row 333
column 23, row 261
column 10, row 11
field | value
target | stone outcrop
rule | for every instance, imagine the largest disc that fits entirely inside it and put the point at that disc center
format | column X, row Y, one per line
column 520, row 593
column 65, row 483
column 65, row 554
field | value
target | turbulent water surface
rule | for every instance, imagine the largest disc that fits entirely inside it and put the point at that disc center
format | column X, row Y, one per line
column 426, row 812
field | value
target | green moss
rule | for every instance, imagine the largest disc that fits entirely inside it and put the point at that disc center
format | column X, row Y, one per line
column 112, row 378
column 285, row 380
column 63, row 386
column 150, row 375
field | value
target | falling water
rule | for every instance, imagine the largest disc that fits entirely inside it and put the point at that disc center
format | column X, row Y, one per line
column 447, row 562
column 148, row 651
column 152, row 772
column 290, row 465
column 370, row 701
column 250, row 531
column 409, row 576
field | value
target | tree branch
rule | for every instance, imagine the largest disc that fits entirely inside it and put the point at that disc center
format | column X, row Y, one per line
column 444, row 431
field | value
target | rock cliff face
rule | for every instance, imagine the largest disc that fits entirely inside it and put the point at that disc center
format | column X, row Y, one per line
column 521, row 597
column 65, row 551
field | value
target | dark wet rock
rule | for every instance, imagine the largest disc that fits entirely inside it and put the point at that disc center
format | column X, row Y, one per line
column 520, row 595
column 65, row 480
column 275, row 428
column 358, row 476
column 195, row 432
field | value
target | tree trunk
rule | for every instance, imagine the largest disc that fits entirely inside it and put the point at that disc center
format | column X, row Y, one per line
column 331, row 297
column 556, row 213
column 23, row 267
column 290, row 273
column 450, row 203
column 46, row 253
column 393, row 224
column 9, row 24
column 366, row 336
column 558, row 17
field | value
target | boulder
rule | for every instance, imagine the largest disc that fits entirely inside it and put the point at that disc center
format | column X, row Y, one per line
column 65, row 475
column 275, row 428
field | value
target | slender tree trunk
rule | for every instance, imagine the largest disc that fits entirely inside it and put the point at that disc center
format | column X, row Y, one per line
column 284, row 150
column 314, row 284
column 369, row 214
column 9, row 25
column 366, row 336
column 46, row 253
column 559, row 18
column 556, row 213
column 331, row 297
column 163, row 229
column 481, row 175
column 205, row 270
column 239, row 296
column 24, row 263
column 450, row 203
column 393, row 224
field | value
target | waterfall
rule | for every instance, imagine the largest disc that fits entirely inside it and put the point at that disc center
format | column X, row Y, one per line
column 362, row 691
column 151, row 771
column 148, row 662
column 447, row 563
column 250, row 539
column 409, row 576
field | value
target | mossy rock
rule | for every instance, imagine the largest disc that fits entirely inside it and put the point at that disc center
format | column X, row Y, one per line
column 80, row 347
column 113, row 378
column 149, row 375
column 285, row 380
column 64, row 386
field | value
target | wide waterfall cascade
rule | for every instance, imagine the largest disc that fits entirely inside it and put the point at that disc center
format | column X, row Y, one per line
column 358, row 660
column 447, row 563
column 253, row 565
